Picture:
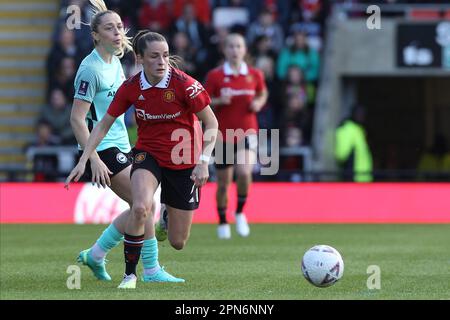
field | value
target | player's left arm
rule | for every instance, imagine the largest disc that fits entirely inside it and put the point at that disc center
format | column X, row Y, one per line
column 211, row 126
column 200, row 174
column 260, row 99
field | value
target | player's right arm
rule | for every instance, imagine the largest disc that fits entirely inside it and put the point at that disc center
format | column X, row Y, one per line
column 101, row 174
column 86, row 87
column 80, row 108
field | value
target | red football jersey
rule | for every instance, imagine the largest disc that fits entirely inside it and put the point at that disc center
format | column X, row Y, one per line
column 165, row 114
column 242, row 88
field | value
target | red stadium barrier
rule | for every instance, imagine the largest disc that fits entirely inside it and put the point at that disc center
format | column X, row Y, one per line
column 267, row 203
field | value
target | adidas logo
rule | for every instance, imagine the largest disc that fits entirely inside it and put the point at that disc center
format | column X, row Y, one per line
column 141, row 98
column 195, row 197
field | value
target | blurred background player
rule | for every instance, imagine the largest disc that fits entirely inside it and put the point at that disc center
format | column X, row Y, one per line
column 238, row 93
column 98, row 78
column 165, row 100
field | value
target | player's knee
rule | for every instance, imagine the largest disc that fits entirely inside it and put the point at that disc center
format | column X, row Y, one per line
column 223, row 187
column 243, row 175
column 177, row 244
column 141, row 212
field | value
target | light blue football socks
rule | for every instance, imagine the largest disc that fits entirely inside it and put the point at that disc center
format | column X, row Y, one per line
column 153, row 272
column 149, row 256
column 109, row 239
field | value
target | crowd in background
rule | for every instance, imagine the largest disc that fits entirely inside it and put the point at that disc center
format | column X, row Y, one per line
column 285, row 39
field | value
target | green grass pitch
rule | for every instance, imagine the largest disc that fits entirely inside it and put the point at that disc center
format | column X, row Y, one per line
column 414, row 262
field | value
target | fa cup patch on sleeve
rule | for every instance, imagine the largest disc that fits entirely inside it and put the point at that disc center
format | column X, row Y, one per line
column 82, row 90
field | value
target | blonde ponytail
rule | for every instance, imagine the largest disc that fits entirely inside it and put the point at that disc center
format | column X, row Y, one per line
column 100, row 9
column 98, row 5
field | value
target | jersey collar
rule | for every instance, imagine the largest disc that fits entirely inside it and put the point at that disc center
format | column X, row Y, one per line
column 101, row 59
column 163, row 84
column 229, row 72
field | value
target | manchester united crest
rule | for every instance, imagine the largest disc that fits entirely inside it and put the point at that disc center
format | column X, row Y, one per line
column 169, row 95
column 139, row 157
column 249, row 78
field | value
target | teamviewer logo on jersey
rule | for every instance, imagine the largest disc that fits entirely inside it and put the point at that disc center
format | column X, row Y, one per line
column 140, row 114
column 195, row 89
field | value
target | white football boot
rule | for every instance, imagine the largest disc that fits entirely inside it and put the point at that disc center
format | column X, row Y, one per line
column 242, row 227
column 128, row 282
column 223, row 231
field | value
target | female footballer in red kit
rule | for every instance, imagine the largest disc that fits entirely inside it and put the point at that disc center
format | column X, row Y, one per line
column 167, row 104
column 237, row 92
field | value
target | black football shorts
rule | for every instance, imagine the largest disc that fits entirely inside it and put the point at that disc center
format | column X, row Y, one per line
column 177, row 188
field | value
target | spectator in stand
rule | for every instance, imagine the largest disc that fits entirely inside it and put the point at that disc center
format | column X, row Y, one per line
column 263, row 57
column 293, row 137
column 128, row 12
column 181, row 48
column 64, row 47
column 266, row 116
column 290, row 165
column 57, row 115
column 155, row 15
column 63, row 78
column 81, row 31
column 45, row 167
column 265, row 25
column 310, row 9
column 310, row 18
column 295, row 99
column 261, row 48
column 295, row 83
column 217, row 41
column 201, row 8
column 295, row 114
column 285, row 13
column 196, row 31
column 301, row 55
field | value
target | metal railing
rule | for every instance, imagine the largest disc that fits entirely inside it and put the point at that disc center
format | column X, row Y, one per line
column 66, row 156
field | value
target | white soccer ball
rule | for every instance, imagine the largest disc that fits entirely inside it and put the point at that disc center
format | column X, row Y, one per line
column 322, row 265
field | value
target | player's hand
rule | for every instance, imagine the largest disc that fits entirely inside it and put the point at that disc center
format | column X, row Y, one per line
column 200, row 174
column 100, row 173
column 75, row 174
column 255, row 106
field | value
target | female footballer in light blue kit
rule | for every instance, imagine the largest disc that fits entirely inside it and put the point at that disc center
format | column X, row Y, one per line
column 99, row 76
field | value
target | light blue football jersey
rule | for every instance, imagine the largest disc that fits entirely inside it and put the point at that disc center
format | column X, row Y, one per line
column 97, row 82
